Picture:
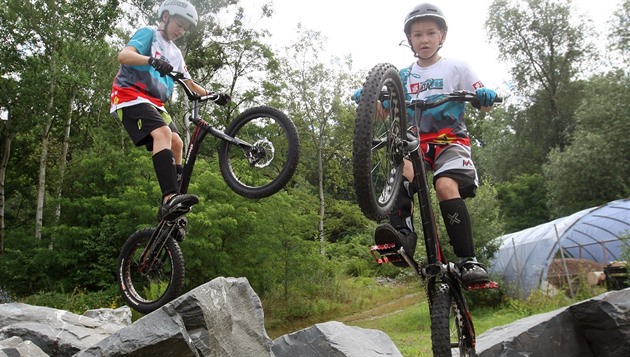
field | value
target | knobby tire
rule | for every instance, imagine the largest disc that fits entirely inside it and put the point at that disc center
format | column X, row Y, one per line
column 273, row 131
column 451, row 327
column 377, row 157
column 146, row 292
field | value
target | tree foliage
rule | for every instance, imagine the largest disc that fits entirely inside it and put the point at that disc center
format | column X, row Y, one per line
column 620, row 33
column 595, row 167
column 546, row 51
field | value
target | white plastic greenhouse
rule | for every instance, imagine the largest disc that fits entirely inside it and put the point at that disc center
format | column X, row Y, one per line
column 524, row 257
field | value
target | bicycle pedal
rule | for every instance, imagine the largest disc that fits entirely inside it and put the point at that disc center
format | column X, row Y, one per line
column 483, row 286
column 177, row 212
column 385, row 253
column 383, row 247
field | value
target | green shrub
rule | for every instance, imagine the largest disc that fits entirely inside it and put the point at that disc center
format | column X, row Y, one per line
column 78, row 301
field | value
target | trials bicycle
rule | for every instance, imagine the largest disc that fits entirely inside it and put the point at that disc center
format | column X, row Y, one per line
column 381, row 143
column 258, row 155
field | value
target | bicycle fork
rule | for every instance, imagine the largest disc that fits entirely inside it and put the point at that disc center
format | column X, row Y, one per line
column 149, row 256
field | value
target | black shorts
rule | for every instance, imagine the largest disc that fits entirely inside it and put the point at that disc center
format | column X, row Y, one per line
column 141, row 119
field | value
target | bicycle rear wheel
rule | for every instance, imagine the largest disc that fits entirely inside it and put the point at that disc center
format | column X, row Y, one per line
column 267, row 163
column 452, row 331
column 377, row 152
column 149, row 290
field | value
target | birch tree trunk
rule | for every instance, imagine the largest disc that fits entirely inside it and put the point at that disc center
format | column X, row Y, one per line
column 322, row 202
column 43, row 157
column 63, row 164
column 7, row 137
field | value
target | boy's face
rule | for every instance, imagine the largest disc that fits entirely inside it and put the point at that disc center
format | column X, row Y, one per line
column 178, row 26
column 426, row 36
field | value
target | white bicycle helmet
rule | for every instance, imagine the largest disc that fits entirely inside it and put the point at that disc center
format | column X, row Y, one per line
column 179, row 7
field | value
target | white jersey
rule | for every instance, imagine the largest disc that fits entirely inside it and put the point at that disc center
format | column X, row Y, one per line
column 444, row 124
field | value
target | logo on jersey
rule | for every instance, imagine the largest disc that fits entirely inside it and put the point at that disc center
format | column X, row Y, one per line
column 433, row 83
column 158, row 55
column 444, row 139
column 467, row 162
column 477, row 85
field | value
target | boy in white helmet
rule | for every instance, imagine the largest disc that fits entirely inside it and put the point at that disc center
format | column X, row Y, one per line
column 140, row 89
column 444, row 138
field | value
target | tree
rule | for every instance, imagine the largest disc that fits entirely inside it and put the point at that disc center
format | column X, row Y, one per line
column 620, row 33
column 43, row 30
column 547, row 51
column 595, row 167
column 523, row 202
column 313, row 93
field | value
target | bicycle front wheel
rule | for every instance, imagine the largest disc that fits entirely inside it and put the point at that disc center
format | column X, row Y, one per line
column 146, row 291
column 379, row 131
column 268, row 156
column 452, row 332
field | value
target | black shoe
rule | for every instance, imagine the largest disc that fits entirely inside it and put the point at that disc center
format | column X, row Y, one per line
column 473, row 273
column 177, row 205
column 386, row 233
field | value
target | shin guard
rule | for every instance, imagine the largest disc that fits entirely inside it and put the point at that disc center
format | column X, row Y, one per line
column 164, row 165
column 458, row 226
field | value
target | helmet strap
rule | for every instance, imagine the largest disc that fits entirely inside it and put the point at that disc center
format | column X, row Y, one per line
column 166, row 23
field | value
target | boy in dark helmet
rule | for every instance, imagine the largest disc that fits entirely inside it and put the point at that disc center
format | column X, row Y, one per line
column 444, row 138
column 140, row 89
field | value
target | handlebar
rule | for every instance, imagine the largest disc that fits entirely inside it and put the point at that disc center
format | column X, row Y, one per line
column 179, row 78
column 458, row 96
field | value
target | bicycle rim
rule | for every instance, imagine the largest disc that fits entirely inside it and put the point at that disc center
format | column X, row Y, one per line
column 267, row 164
column 149, row 290
column 377, row 152
column 451, row 327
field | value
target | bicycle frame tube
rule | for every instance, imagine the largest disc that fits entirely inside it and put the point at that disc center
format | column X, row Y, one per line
column 202, row 128
column 191, row 154
column 429, row 228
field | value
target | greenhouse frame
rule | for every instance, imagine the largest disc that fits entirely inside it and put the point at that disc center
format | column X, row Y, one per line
column 597, row 234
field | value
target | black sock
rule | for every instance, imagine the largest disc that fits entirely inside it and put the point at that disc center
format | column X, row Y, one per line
column 457, row 222
column 164, row 165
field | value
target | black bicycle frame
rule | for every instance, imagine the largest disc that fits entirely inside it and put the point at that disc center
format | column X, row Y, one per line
column 202, row 128
column 429, row 227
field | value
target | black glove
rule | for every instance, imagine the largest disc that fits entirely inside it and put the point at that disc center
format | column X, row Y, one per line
column 161, row 66
column 219, row 98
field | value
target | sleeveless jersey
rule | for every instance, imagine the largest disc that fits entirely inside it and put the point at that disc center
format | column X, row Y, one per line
column 445, row 123
column 144, row 84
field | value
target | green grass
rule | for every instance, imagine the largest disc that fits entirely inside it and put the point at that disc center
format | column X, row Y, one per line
column 402, row 313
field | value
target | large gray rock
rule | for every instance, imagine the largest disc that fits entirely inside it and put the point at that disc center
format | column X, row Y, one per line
column 120, row 316
column 544, row 335
column 596, row 327
column 55, row 332
column 334, row 339
column 605, row 321
column 221, row 318
column 16, row 347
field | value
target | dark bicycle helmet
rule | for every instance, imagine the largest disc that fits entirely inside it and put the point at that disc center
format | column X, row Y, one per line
column 425, row 10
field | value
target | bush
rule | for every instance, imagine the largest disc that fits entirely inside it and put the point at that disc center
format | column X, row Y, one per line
column 78, row 301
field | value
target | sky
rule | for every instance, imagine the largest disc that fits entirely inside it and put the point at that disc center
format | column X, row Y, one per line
column 371, row 30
